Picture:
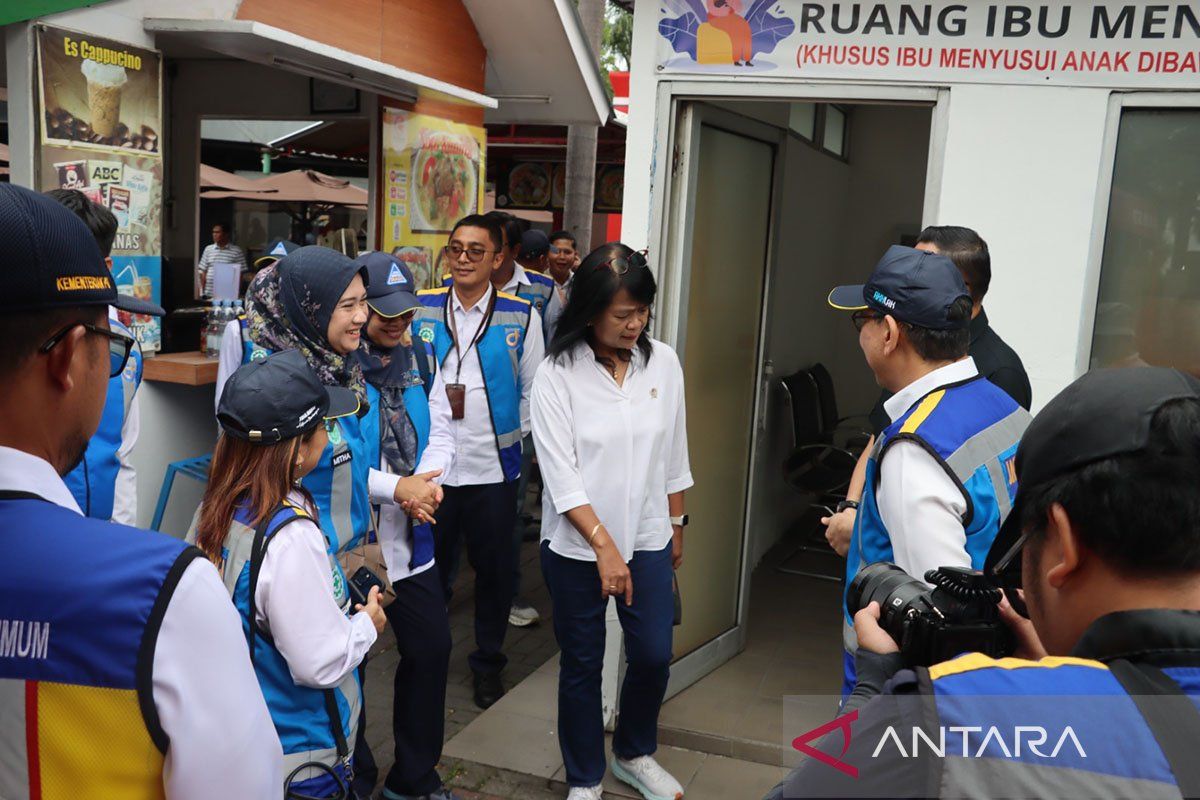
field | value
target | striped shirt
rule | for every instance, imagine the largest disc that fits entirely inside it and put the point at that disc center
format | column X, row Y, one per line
column 229, row 254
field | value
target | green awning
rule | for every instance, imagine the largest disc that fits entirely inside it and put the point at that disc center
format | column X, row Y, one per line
column 20, row 10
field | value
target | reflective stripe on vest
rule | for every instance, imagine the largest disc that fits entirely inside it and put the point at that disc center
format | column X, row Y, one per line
column 972, row 428
column 499, row 353
column 299, row 712
column 76, row 684
column 93, row 483
column 1117, row 754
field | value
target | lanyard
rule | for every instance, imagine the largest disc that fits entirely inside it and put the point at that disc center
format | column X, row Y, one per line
column 479, row 332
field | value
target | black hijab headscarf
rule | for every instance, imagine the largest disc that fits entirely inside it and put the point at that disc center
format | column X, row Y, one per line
column 289, row 306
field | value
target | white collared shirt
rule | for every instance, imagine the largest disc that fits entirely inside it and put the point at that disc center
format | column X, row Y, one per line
column 465, row 450
column 621, row 449
column 920, row 504
column 223, row 743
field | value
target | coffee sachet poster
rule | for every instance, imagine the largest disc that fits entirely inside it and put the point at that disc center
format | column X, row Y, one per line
column 100, row 122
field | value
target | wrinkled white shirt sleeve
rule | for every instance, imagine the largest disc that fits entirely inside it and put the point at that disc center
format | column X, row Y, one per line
column 439, row 451
column 296, row 604
column 125, row 491
column 923, row 510
column 230, row 358
column 553, row 439
column 223, row 743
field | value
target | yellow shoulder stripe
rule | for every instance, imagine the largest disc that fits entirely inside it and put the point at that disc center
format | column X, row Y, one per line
column 508, row 296
column 923, row 411
column 977, row 661
column 439, row 290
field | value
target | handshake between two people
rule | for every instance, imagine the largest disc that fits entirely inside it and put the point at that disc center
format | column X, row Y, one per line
column 420, row 495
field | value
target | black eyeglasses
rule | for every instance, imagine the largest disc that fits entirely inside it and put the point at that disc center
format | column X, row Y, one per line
column 622, row 264
column 861, row 318
column 474, row 254
column 119, row 345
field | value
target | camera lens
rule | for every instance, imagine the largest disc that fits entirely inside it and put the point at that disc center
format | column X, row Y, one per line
column 894, row 589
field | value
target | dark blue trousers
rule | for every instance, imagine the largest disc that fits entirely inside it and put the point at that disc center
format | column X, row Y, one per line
column 484, row 516
column 579, row 612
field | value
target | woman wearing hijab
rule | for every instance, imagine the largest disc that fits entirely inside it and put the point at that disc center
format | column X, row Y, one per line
column 418, row 614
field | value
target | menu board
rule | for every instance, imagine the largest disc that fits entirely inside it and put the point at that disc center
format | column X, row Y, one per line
column 100, row 117
column 432, row 177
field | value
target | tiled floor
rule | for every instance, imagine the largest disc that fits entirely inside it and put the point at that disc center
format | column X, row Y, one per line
column 725, row 736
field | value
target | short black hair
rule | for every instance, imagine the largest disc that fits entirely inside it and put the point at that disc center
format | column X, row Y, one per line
column 489, row 224
column 967, row 250
column 24, row 332
column 935, row 345
column 510, row 227
column 1139, row 512
column 223, row 226
column 594, row 287
column 99, row 220
column 570, row 237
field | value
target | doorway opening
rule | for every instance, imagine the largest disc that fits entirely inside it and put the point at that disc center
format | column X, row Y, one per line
column 749, row 262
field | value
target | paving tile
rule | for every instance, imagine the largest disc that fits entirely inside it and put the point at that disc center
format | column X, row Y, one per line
column 723, row 778
column 509, row 741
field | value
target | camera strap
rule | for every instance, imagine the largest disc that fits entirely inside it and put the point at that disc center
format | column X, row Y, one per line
column 1175, row 725
column 258, row 552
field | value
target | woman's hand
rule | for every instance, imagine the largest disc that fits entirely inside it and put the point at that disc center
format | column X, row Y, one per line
column 419, row 495
column 676, row 546
column 373, row 610
column 615, row 579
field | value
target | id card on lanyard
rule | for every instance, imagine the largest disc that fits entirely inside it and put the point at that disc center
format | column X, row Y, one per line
column 456, row 392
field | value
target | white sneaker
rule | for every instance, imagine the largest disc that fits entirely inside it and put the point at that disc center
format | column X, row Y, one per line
column 644, row 774
column 584, row 793
column 522, row 615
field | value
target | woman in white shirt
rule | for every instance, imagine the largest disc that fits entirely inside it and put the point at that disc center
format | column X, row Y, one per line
column 609, row 427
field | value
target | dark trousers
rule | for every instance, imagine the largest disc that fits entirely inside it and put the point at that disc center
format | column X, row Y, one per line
column 422, row 627
column 483, row 516
column 579, row 612
column 519, row 526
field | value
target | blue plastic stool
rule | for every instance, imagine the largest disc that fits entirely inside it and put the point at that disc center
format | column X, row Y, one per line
column 196, row 468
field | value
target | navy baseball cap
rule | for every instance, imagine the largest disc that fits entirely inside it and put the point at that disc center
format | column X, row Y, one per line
column 534, row 243
column 279, row 398
column 275, row 251
column 49, row 259
column 914, row 286
column 1105, row 413
column 390, row 284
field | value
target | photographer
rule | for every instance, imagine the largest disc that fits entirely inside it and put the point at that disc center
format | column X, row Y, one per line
column 1105, row 533
column 939, row 479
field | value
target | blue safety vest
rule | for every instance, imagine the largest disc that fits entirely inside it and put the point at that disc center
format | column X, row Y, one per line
column 303, row 716
column 416, row 403
column 339, row 482
column 76, row 677
column 1113, row 752
column 972, row 428
column 537, row 292
column 94, row 482
column 500, row 350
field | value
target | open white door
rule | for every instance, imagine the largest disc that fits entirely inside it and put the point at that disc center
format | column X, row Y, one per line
column 716, row 252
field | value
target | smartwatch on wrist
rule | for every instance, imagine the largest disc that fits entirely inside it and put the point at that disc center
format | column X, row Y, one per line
column 680, row 521
column 842, row 506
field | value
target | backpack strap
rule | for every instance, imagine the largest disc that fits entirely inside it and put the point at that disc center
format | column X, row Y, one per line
column 263, row 534
column 1171, row 716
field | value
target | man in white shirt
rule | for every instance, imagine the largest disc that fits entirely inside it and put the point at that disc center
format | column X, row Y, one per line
column 483, row 347
column 940, row 480
column 140, row 683
column 222, row 256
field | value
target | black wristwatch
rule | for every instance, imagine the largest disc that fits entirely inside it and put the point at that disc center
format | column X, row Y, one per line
column 842, row 506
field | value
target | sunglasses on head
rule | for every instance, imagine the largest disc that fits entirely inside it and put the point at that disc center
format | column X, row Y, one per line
column 622, row 264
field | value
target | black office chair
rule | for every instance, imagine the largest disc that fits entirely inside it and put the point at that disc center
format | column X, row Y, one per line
column 825, row 452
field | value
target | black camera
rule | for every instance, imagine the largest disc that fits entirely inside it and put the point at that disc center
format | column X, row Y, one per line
column 959, row 615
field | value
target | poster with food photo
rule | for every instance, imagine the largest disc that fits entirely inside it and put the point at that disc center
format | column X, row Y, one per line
column 98, row 93
column 432, row 177
column 99, row 121
column 529, row 185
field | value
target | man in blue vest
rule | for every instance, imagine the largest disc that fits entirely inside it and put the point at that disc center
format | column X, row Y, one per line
column 483, row 347
column 105, row 483
column 134, row 680
column 1100, row 699
column 939, row 480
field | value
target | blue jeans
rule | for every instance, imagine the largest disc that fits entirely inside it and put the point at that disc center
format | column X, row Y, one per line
column 579, row 611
